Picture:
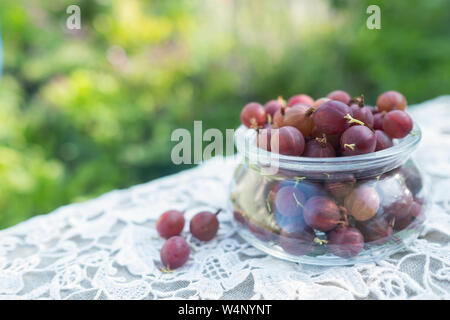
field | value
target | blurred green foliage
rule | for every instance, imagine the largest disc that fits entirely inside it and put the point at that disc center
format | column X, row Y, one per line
column 84, row 112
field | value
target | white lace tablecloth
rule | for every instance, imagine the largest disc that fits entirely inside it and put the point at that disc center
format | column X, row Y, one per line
column 108, row 248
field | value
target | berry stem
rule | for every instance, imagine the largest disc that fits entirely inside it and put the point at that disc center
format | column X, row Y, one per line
column 281, row 100
column 164, row 270
column 392, row 222
column 269, row 208
column 296, row 200
column 344, row 215
column 310, row 111
column 359, row 100
column 322, row 141
column 218, row 211
column 351, row 146
column 353, row 120
column 320, row 241
column 297, row 179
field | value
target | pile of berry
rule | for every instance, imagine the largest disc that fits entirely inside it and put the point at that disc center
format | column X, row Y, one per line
column 340, row 216
column 343, row 217
column 175, row 251
column 336, row 125
column 343, row 213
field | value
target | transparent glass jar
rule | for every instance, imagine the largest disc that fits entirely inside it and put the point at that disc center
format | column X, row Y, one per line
column 328, row 211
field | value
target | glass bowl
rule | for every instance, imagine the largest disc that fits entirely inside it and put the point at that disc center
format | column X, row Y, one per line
column 328, row 211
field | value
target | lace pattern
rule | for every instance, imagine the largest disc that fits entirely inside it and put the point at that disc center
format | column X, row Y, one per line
column 108, row 248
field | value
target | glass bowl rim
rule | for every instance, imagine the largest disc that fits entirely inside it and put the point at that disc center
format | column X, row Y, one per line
column 402, row 149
